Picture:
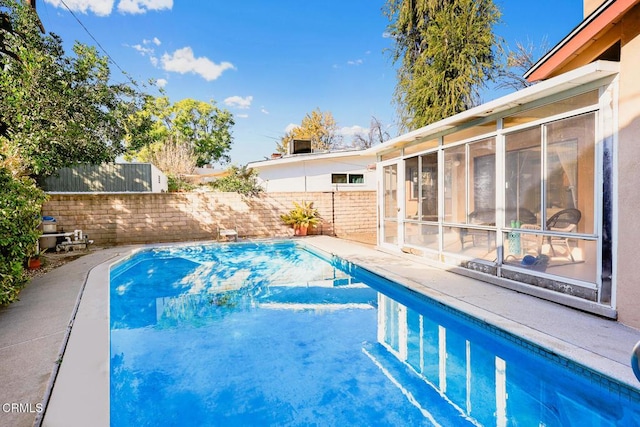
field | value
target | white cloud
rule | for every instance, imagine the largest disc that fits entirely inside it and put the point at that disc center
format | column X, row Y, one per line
column 356, row 62
column 143, row 6
column 239, row 102
column 161, row 82
column 264, row 110
column 143, row 50
column 242, row 116
column 183, row 61
column 290, row 127
column 99, row 7
column 148, row 51
column 154, row 40
column 352, row 130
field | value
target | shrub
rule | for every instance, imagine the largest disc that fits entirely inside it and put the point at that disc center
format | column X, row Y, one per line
column 241, row 180
column 178, row 184
column 20, row 209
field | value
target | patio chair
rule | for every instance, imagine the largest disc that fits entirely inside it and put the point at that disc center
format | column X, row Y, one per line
column 531, row 241
column 228, row 233
column 480, row 217
column 565, row 221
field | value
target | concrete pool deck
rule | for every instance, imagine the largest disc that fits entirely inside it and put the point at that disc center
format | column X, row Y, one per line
column 65, row 314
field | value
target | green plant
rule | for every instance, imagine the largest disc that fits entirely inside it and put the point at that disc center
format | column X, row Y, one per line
column 38, row 254
column 303, row 214
column 80, row 116
column 20, row 211
column 240, row 179
column 177, row 184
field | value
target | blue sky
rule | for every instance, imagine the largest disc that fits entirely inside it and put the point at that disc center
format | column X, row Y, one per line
column 272, row 62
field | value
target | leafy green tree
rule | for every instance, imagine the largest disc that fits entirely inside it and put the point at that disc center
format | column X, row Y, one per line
column 321, row 128
column 201, row 127
column 446, row 50
column 240, row 179
column 55, row 110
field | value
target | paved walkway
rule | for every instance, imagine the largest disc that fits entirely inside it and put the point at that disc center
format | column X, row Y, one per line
column 35, row 330
column 32, row 333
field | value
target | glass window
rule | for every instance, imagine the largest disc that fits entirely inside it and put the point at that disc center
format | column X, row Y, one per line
column 421, row 188
column 338, row 178
column 455, row 193
column 470, row 132
column 390, row 203
column 523, row 177
column 421, row 235
column 548, row 110
column 429, row 187
column 482, row 188
column 564, row 256
column 571, row 169
column 421, row 146
column 356, row 178
column 343, row 178
column 411, row 188
column 550, row 197
column 391, row 155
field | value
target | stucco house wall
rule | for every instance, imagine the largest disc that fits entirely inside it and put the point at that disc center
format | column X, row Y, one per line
column 313, row 172
column 628, row 180
column 590, row 6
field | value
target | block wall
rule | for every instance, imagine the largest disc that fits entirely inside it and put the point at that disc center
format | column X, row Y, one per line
column 130, row 218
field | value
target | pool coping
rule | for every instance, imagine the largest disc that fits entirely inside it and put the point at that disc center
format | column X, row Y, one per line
column 596, row 354
column 81, row 384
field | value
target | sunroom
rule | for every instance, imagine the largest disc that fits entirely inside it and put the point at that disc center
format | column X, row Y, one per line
column 517, row 191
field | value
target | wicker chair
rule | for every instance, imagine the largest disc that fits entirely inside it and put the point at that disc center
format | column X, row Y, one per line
column 565, row 221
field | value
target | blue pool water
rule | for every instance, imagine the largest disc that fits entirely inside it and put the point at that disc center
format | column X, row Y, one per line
column 273, row 334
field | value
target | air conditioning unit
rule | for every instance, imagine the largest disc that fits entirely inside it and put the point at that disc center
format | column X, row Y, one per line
column 300, row 146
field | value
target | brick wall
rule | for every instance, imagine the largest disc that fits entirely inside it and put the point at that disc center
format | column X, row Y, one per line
column 115, row 219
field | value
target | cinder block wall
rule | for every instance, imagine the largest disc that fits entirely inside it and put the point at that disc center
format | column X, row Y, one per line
column 116, row 219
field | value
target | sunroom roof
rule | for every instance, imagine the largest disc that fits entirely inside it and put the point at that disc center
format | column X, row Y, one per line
column 572, row 79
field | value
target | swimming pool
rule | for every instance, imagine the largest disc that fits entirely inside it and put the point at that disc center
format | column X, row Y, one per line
column 273, row 334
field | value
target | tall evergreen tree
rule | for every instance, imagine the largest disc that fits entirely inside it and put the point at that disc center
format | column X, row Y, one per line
column 446, row 50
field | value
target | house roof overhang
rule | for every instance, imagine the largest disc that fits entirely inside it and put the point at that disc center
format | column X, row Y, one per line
column 572, row 79
column 296, row 158
column 586, row 33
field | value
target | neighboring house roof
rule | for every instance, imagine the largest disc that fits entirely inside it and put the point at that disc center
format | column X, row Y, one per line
column 580, row 76
column 588, row 32
column 294, row 158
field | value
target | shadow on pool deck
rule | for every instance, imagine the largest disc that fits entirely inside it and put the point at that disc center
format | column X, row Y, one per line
column 34, row 330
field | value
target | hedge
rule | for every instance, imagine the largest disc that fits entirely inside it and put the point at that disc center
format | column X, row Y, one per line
column 20, row 209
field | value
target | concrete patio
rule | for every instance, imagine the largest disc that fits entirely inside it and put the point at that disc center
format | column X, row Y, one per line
column 63, row 315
